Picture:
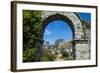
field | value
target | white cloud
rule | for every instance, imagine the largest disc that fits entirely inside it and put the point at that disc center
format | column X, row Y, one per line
column 47, row 32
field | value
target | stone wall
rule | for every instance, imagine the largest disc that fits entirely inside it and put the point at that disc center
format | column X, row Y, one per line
column 82, row 50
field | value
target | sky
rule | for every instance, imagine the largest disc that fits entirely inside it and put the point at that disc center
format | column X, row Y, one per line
column 59, row 29
column 86, row 16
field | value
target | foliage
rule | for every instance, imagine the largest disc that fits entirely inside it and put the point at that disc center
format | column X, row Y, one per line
column 31, row 31
column 65, row 54
column 47, row 56
column 43, row 58
column 29, row 55
column 31, row 27
column 51, row 57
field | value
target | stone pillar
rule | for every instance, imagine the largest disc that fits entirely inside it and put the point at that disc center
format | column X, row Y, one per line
column 73, row 50
column 82, row 50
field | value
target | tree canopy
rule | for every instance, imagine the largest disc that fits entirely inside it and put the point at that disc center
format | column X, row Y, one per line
column 31, row 31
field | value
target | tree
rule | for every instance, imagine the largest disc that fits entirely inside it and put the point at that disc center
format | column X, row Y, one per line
column 31, row 27
column 31, row 30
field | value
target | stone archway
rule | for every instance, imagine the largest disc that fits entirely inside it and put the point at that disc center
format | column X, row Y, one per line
column 70, row 17
column 80, row 40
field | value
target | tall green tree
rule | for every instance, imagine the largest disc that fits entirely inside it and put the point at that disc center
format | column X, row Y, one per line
column 31, row 27
column 31, row 32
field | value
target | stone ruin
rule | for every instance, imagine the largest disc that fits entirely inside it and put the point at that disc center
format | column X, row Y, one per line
column 81, row 31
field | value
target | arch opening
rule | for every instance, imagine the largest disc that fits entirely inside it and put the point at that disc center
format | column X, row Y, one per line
column 57, row 29
column 58, row 36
